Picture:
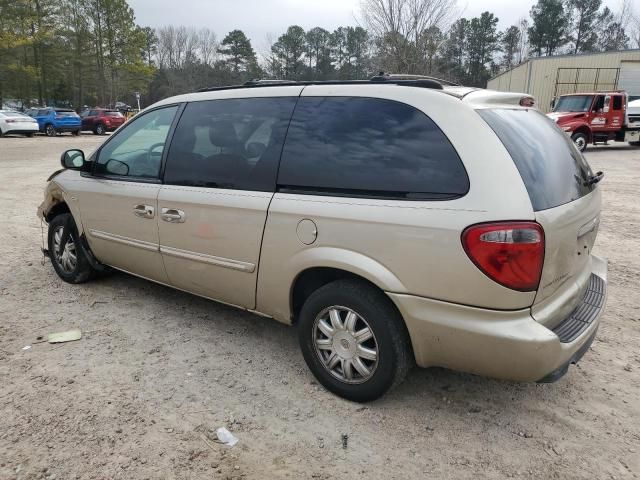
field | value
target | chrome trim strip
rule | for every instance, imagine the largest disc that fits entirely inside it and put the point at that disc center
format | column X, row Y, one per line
column 154, row 247
column 210, row 259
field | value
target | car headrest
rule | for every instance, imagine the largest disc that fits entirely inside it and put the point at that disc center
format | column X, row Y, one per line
column 223, row 134
column 185, row 139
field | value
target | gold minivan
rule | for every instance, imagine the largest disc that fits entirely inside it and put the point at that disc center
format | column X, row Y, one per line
column 393, row 221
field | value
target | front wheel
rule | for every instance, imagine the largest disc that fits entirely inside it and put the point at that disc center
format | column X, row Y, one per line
column 67, row 254
column 580, row 140
column 50, row 130
column 100, row 130
column 354, row 340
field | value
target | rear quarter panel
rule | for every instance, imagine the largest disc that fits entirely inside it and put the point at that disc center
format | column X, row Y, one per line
column 410, row 247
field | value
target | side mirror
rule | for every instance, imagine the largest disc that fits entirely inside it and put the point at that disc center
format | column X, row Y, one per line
column 116, row 167
column 73, row 159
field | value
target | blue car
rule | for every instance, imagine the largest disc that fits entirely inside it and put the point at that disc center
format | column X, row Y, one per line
column 52, row 121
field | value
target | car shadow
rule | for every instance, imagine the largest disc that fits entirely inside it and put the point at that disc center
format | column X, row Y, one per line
column 424, row 390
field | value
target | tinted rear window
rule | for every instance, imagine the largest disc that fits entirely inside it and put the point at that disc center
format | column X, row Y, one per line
column 369, row 147
column 553, row 170
column 66, row 113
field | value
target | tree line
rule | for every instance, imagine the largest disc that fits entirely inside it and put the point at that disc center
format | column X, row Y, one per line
column 93, row 52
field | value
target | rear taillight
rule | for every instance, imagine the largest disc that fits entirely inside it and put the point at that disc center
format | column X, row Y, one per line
column 510, row 253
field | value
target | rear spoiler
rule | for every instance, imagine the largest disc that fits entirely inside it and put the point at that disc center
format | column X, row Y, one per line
column 494, row 98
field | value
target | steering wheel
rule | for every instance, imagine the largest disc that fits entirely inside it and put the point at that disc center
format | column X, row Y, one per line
column 151, row 154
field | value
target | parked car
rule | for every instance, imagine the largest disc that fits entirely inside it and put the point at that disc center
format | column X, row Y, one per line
column 53, row 121
column 364, row 213
column 17, row 123
column 633, row 111
column 101, row 121
column 597, row 117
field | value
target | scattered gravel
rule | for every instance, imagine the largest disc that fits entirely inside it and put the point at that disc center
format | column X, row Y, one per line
column 157, row 371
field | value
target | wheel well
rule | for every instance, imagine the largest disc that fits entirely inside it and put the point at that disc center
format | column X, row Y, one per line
column 584, row 130
column 312, row 279
column 56, row 210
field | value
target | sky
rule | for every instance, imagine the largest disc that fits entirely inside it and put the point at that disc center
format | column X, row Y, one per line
column 260, row 19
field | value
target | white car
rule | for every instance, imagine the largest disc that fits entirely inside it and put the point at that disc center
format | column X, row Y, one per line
column 17, row 123
column 633, row 111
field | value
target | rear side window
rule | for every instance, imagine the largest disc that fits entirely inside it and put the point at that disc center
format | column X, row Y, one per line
column 553, row 170
column 369, row 147
column 234, row 143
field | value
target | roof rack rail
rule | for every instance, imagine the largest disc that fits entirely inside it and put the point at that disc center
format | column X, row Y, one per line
column 406, row 80
column 394, row 77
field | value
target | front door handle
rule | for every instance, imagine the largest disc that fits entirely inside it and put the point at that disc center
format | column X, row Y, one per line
column 173, row 215
column 144, row 211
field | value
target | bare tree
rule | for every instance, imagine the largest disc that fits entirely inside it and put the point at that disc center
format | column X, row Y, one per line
column 633, row 26
column 523, row 44
column 402, row 26
column 207, row 46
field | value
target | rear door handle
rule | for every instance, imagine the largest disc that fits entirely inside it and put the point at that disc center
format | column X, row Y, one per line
column 173, row 215
column 144, row 211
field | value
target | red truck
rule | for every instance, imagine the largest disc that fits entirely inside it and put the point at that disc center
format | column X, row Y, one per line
column 595, row 117
column 100, row 121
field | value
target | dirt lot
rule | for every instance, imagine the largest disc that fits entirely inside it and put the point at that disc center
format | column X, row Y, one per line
column 157, row 371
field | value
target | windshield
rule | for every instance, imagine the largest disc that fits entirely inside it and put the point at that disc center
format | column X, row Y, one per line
column 552, row 169
column 573, row 103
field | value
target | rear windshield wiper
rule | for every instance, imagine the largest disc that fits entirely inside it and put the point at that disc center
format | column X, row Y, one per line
column 593, row 179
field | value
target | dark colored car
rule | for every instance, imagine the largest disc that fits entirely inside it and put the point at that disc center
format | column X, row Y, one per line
column 100, row 121
column 52, row 121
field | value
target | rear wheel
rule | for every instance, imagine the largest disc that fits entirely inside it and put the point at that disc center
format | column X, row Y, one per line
column 100, row 130
column 354, row 340
column 580, row 140
column 67, row 254
column 50, row 130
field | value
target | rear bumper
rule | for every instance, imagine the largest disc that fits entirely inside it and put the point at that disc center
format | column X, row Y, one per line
column 509, row 345
column 23, row 130
column 65, row 128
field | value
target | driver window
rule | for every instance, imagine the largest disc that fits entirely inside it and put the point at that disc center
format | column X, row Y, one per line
column 598, row 105
column 137, row 149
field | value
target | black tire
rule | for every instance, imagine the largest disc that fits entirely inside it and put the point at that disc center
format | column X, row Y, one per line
column 75, row 133
column 634, row 144
column 82, row 270
column 50, row 130
column 390, row 337
column 580, row 140
column 100, row 130
column 30, row 135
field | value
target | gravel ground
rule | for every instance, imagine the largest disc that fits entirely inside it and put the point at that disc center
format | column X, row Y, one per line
column 157, row 371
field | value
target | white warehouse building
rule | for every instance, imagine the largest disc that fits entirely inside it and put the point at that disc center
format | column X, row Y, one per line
column 545, row 78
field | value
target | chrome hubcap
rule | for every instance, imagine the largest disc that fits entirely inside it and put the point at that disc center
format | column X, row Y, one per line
column 67, row 258
column 345, row 344
column 580, row 143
